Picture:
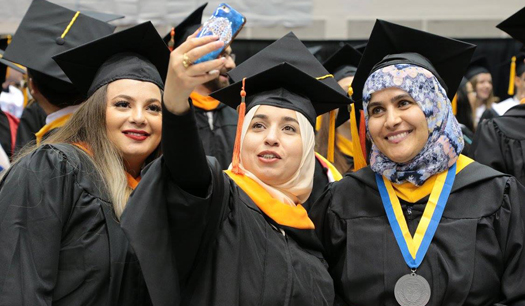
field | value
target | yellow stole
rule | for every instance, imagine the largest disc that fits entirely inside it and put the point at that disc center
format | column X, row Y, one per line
column 412, row 193
column 283, row 214
column 344, row 145
column 132, row 182
column 206, row 103
column 59, row 122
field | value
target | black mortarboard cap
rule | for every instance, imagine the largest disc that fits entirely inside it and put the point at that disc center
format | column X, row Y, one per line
column 287, row 49
column 391, row 44
column 39, row 36
column 136, row 53
column 515, row 25
column 361, row 47
column 187, row 27
column 478, row 64
column 286, row 86
column 343, row 63
column 9, row 64
column 106, row 17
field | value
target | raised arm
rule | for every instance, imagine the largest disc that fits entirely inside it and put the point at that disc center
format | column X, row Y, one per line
column 182, row 147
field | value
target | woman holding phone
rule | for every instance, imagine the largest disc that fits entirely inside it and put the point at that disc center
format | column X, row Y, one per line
column 239, row 237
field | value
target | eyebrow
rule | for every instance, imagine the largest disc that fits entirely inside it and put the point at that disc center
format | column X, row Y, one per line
column 285, row 118
column 394, row 99
column 126, row 97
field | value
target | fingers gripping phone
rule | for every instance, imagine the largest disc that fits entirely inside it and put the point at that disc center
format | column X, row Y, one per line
column 225, row 23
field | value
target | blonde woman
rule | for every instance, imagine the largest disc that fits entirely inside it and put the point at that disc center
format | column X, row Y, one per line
column 60, row 203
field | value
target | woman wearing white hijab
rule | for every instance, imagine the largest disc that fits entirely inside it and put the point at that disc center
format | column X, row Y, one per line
column 241, row 237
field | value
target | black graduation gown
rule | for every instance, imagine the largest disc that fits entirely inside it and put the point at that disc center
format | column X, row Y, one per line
column 218, row 142
column 5, row 133
column 477, row 256
column 500, row 143
column 221, row 248
column 59, row 241
column 32, row 120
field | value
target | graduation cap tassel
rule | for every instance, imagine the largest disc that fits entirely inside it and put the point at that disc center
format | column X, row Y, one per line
column 359, row 159
column 455, row 105
column 331, row 137
column 362, row 133
column 236, row 160
column 318, row 123
column 512, row 76
column 171, row 43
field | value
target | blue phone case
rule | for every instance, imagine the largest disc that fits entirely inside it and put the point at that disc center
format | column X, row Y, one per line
column 225, row 23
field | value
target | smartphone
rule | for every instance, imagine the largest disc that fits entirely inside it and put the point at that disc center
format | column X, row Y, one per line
column 225, row 23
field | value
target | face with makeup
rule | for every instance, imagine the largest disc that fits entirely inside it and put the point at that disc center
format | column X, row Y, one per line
column 272, row 147
column 397, row 124
column 134, row 119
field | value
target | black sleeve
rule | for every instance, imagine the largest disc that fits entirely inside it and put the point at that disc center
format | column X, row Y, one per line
column 486, row 147
column 510, row 228
column 183, row 152
column 36, row 197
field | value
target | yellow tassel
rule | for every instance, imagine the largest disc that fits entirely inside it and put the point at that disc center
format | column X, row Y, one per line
column 9, row 38
column 359, row 159
column 455, row 105
column 324, row 77
column 331, row 138
column 512, row 76
column 350, row 91
column 318, row 123
column 70, row 24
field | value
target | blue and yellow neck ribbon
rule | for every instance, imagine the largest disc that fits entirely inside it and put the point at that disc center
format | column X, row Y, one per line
column 415, row 248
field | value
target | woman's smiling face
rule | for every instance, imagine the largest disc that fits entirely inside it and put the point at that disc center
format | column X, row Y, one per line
column 397, row 124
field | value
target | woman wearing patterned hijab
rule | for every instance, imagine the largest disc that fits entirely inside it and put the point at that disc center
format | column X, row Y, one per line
column 425, row 225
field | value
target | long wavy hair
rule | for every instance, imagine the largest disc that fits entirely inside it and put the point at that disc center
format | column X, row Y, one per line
column 88, row 127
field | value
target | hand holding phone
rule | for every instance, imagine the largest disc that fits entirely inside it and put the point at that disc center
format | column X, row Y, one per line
column 225, row 23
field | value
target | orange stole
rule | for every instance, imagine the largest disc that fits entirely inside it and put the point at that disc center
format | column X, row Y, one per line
column 284, row 214
column 132, row 182
column 206, row 103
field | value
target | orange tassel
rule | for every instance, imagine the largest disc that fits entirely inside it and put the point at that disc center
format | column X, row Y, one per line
column 362, row 133
column 236, row 159
column 171, row 43
column 331, row 138
column 359, row 159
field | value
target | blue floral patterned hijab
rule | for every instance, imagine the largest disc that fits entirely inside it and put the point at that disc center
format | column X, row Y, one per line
column 445, row 141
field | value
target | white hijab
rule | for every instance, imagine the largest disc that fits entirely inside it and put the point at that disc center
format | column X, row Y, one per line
column 299, row 187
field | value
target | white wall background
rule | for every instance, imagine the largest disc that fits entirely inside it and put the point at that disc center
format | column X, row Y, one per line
column 309, row 19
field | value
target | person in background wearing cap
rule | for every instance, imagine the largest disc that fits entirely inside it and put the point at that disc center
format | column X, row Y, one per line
column 343, row 65
column 479, row 76
column 216, row 121
column 499, row 142
column 424, row 225
column 61, row 201
column 46, row 30
column 516, row 84
column 239, row 237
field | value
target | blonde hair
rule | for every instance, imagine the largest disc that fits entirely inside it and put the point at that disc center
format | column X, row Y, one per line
column 88, row 127
column 491, row 99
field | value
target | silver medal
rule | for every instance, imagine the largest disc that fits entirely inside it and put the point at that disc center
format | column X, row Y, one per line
column 412, row 290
